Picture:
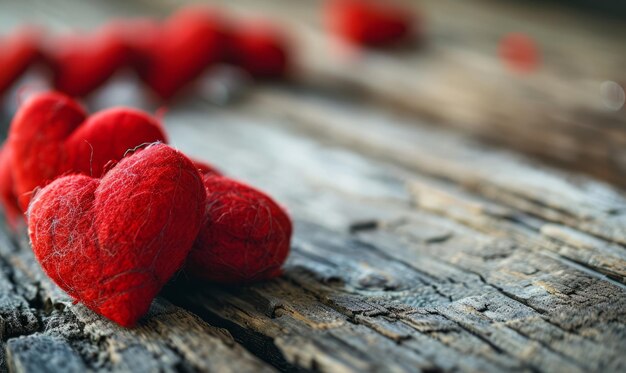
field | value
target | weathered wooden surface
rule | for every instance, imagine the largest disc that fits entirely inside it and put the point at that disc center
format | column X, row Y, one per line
column 456, row 78
column 429, row 264
column 415, row 249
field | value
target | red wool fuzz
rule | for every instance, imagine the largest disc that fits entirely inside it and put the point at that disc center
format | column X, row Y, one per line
column 51, row 135
column 80, row 64
column 189, row 42
column 206, row 169
column 245, row 236
column 368, row 22
column 112, row 243
column 261, row 50
column 7, row 193
column 17, row 53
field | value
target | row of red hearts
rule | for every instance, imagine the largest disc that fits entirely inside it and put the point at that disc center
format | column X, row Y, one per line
column 112, row 219
column 168, row 56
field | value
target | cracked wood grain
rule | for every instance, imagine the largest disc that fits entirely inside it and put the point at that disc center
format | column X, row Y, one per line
column 447, row 251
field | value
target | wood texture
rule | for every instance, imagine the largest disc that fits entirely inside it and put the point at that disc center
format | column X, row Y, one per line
column 416, row 248
column 456, row 78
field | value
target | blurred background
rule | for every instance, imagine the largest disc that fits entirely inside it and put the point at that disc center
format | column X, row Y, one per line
column 545, row 78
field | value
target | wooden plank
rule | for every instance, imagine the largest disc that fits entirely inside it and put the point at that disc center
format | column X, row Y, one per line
column 464, row 282
column 474, row 251
column 457, row 80
column 551, row 195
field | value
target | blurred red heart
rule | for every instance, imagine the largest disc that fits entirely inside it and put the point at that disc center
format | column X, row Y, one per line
column 82, row 63
column 519, row 52
column 189, row 42
column 140, row 36
column 17, row 53
column 245, row 236
column 112, row 243
column 369, row 23
column 51, row 135
column 260, row 49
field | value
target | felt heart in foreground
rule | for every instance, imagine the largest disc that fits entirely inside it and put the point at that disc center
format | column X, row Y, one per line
column 368, row 22
column 17, row 52
column 82, row 63
column 245, row 236
column 190, row 41
column 259, row 49
column 51, row 135
column 112, row 243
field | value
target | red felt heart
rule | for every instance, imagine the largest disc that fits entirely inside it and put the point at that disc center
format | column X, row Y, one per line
column 259, row 49
column 369, row 23
column 112, row 243
column 190, row 41
column 17, row 53
column 82, row 63
column 245, row 236
column 140, row 36
column 50, row 135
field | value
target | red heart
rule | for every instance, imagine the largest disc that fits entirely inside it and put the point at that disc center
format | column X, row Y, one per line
column 369, row 23
column 519, row 52
column 140, row 36
column 245, row 236
column 50, row 135
column 112, row 243
column 17, row 53
column 189, row 42
column 82, row 63
column 260, row 49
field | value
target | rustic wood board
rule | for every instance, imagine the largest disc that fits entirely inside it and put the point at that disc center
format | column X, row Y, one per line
column 415, row 249
column 430, row 264
column 456, row 78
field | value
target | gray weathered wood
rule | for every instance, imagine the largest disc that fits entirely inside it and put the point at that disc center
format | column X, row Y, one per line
column 489, row 266
column 456, row 78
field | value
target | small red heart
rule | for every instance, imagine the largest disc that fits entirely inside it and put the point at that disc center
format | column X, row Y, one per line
column 245, row 236
column 51, row 135
column 82, row 63
column 190, row 41
column 519, row 52
column 17, row 53
column 369, row 23
column 260, row 49
column 140, row 36
column 112, row 243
